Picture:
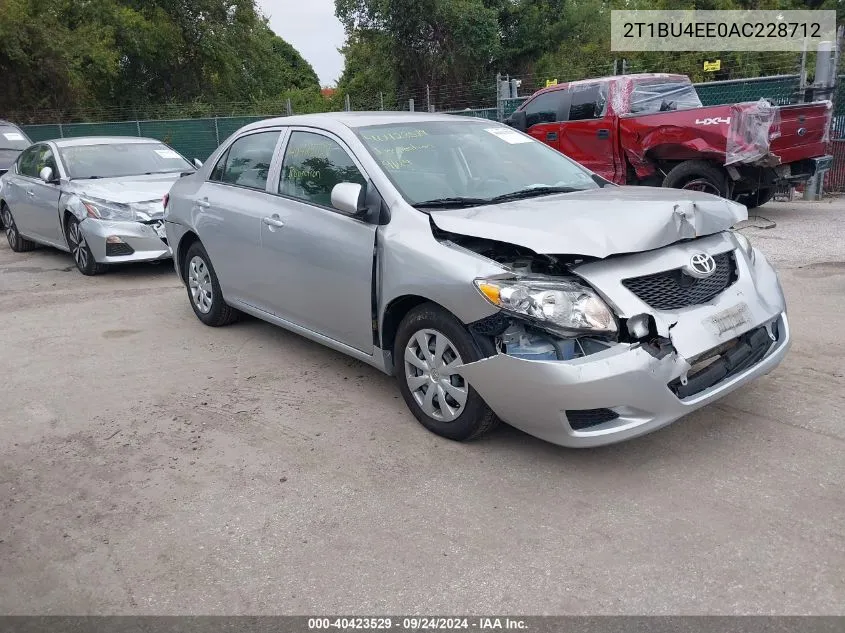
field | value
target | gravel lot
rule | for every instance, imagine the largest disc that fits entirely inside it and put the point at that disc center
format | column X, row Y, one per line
column 153, row 465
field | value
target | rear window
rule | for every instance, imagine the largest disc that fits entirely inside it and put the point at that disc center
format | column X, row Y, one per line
column 663, row 96
column 13, row 138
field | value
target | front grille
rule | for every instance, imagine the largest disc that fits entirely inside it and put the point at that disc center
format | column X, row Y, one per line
column 580, row 419
column 672, row 289
column 115, row 250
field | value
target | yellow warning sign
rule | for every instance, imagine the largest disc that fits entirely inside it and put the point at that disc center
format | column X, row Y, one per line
column 551, row 82
column 711, row 67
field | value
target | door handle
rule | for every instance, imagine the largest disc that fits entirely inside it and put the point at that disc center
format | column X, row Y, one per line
column 273, row 221
column 30, row 193
column 551, row 136
column 204, row 203
column 603, row 133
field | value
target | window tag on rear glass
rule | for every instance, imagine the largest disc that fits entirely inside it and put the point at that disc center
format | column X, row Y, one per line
column 13, row 136
column 167, row 153
column 509, row 136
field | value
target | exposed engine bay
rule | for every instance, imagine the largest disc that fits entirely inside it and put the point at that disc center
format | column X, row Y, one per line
column 520, row 337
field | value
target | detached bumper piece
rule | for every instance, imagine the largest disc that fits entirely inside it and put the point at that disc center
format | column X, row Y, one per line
column 746, row 351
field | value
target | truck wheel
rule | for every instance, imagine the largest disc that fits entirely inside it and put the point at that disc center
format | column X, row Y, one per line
column 698, row 175
column 754, row 199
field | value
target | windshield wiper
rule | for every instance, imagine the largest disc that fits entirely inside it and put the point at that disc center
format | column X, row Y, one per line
column 84, row 178
column 450, row 203
column 532, row 192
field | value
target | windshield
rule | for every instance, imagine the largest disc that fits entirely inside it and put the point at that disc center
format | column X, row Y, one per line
column 471, row 160
column 663, row 96
column 114, row 160
column 13, row 138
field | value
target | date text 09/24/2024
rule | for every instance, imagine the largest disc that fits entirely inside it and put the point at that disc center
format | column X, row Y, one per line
column 416, row 623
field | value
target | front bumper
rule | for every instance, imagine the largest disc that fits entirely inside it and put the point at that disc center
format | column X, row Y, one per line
column 138, row 242
column 535, row 395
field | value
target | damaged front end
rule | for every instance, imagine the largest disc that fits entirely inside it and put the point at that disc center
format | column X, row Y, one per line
column 591, row 351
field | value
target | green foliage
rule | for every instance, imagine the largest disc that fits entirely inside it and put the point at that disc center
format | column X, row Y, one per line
column 134, row 56
column 457, row 46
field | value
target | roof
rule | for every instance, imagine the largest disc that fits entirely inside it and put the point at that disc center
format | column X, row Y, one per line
column 355, row 119
column 78, row 141
column 609, row 78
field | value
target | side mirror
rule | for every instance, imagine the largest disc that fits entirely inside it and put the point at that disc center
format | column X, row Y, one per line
column 518, row 120
column 197, row 163
column 350, row 198
column 46, row 174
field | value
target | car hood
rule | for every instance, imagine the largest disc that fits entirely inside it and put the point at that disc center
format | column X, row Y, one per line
column 125, row 190
column 597, row 222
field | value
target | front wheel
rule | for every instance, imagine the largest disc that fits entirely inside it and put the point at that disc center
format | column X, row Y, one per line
column 80, row 250
column 698, row 175
column 430, row 345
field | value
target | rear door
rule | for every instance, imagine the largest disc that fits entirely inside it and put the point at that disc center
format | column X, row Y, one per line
column 586, row 135
column 228, row 209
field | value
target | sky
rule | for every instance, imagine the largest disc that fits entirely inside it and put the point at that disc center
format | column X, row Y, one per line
column 311, row 28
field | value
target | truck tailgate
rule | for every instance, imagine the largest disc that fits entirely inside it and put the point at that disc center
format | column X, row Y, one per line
column 804, row 129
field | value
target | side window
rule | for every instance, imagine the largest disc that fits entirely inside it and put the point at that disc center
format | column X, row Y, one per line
column 247, row 162
column 46, row 159
column 28, row 161
column 587, row 102
column 217, row 172
column 545, row 108
column 313, row 165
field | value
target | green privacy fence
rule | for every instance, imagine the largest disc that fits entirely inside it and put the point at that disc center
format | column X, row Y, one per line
column 198, row 138
column 193, row 138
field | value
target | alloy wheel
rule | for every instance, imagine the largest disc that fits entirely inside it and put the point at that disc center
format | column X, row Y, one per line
column 702, row 184
column 11, row 229
column 78, row 245
column 431, row 362
column 199, row 282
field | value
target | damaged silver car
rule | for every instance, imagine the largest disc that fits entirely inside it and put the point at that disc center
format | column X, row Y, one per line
column 99, row 198
column 493, row 276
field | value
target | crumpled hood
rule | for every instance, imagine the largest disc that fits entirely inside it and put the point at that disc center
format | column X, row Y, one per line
column 597, row 222
column 125, row 190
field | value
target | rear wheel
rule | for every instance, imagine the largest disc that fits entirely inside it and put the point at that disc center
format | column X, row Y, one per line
column 204, row 289
column 16, row 242
column 430, row 345
column 82, row 255
column 698, row 175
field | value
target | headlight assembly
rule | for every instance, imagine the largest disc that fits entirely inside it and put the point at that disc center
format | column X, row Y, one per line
column 103, row 209
column 560, row 305
column 744, row 245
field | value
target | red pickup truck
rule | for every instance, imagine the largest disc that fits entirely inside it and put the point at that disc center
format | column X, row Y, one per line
column 651, row 129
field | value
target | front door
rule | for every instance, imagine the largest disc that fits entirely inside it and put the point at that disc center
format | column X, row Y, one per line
column 322, row 259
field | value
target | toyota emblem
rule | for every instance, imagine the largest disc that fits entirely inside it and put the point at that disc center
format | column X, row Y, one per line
column 701, row 266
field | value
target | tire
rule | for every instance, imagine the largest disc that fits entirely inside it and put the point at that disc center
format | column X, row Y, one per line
column 204, row 293
column 698, row 175
column 16, row 242
column 758, row 198
column 79, row 249
column 456, row 420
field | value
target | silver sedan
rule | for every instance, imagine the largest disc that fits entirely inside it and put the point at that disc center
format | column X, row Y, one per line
column 98, row 198
column 493, row 276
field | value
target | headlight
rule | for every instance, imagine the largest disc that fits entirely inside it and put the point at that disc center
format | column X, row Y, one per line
column 745, row 245
column 561, row 305
column 108, row 210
